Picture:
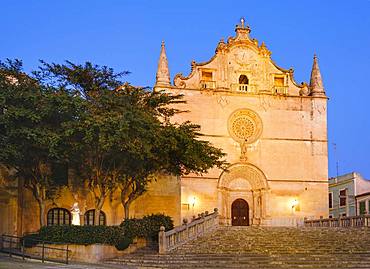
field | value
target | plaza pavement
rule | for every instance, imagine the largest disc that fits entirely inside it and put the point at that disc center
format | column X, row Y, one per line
column 14, row 262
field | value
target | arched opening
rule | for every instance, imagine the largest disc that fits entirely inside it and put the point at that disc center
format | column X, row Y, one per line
column 58, row 216
column 243, row 180
column 240, row 213
column 89, row 218
column 243, row 79
column 243, row 83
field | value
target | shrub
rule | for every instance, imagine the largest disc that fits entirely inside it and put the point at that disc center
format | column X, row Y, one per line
column 119, row 236
column 83, row 235
column 147, row 227
column 124, row 242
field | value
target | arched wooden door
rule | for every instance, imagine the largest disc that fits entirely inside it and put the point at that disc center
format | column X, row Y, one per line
column 239, row 213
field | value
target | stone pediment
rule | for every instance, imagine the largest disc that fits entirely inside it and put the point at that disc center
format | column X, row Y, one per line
column 241, row 65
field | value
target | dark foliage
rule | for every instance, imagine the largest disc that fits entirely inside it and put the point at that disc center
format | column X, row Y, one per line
column 119, row 236
column 81, row 235
column 147, row 227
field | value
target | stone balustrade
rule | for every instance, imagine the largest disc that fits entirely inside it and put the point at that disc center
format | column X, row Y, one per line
column 208, row 84
column 188, row 231
column 355, row 221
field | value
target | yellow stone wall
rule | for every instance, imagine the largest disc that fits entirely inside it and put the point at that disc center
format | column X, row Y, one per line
column 163, row 196
column 287, row 153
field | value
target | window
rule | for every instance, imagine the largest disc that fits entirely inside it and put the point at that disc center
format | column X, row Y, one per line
column 58, row 216
column 243, row 79
column 206, row 75
column 279, row 81
column 343, row 197
column 330, row 200
column 330, row 216
column 243, row 83
column 344, row 215
column 90, row 217
column 207, row 80
column 279, row 85
column 362, row 207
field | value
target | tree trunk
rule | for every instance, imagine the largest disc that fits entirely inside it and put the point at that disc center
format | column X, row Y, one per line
column 126, row 207
column 98, row 208
column 42, row 212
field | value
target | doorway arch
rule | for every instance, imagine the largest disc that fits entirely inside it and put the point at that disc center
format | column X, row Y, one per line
column 243, row 181
column 240, row 213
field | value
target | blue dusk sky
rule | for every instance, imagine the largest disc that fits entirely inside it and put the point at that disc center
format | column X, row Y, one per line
column 127, row 35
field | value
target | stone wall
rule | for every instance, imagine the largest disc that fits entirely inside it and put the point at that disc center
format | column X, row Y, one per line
column 163, row 196
column 84, row 253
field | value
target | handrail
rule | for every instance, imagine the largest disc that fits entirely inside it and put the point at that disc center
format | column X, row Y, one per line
column 15, row 245
column 181, row 234
column 353, row 221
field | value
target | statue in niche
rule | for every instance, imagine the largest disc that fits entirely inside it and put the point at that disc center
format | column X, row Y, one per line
column 75, row 210
column 243, row 151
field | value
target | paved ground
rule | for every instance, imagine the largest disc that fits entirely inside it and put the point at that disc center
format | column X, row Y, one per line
column 7, row 262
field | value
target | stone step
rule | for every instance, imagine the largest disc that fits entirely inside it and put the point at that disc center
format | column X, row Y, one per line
column 267, row 247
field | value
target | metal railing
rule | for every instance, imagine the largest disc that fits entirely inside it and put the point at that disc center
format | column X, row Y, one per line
column 18, row 246
column 181, row 234
column 355, row 221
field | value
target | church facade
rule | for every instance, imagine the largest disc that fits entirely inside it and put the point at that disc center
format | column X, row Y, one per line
column 273, row 131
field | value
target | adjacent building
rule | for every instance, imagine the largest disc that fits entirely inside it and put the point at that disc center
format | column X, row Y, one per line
column 349, row 195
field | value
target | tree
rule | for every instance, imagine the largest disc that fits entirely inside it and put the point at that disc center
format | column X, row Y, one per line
column 119, row 136
column 33, row 120
column 101, row 129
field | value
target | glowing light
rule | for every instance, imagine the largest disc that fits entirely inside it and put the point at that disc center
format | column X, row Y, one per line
column 75, row 214
column 294, row 203
column 192, row 200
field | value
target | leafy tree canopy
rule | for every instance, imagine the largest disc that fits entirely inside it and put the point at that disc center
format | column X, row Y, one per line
column 114, row 135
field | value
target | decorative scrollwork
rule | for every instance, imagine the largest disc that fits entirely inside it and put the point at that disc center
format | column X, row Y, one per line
column 179, row 81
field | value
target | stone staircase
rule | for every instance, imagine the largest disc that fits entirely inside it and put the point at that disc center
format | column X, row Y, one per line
column 267, row 247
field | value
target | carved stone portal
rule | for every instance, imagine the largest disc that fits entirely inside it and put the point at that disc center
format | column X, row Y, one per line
column 243, row 181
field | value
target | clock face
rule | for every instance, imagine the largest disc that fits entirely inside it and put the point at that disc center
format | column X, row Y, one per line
column 245, row 58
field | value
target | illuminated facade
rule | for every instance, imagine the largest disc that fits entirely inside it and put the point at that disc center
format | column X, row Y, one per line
column 273, row 130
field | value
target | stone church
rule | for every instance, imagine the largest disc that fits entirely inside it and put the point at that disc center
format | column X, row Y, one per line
column 273, row 130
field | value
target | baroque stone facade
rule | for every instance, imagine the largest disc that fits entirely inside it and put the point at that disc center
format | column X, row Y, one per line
column 273, row 130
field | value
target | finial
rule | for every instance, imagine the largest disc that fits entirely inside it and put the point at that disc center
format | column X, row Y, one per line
column 242, row 29
column 163, row 73
column 316, row 85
